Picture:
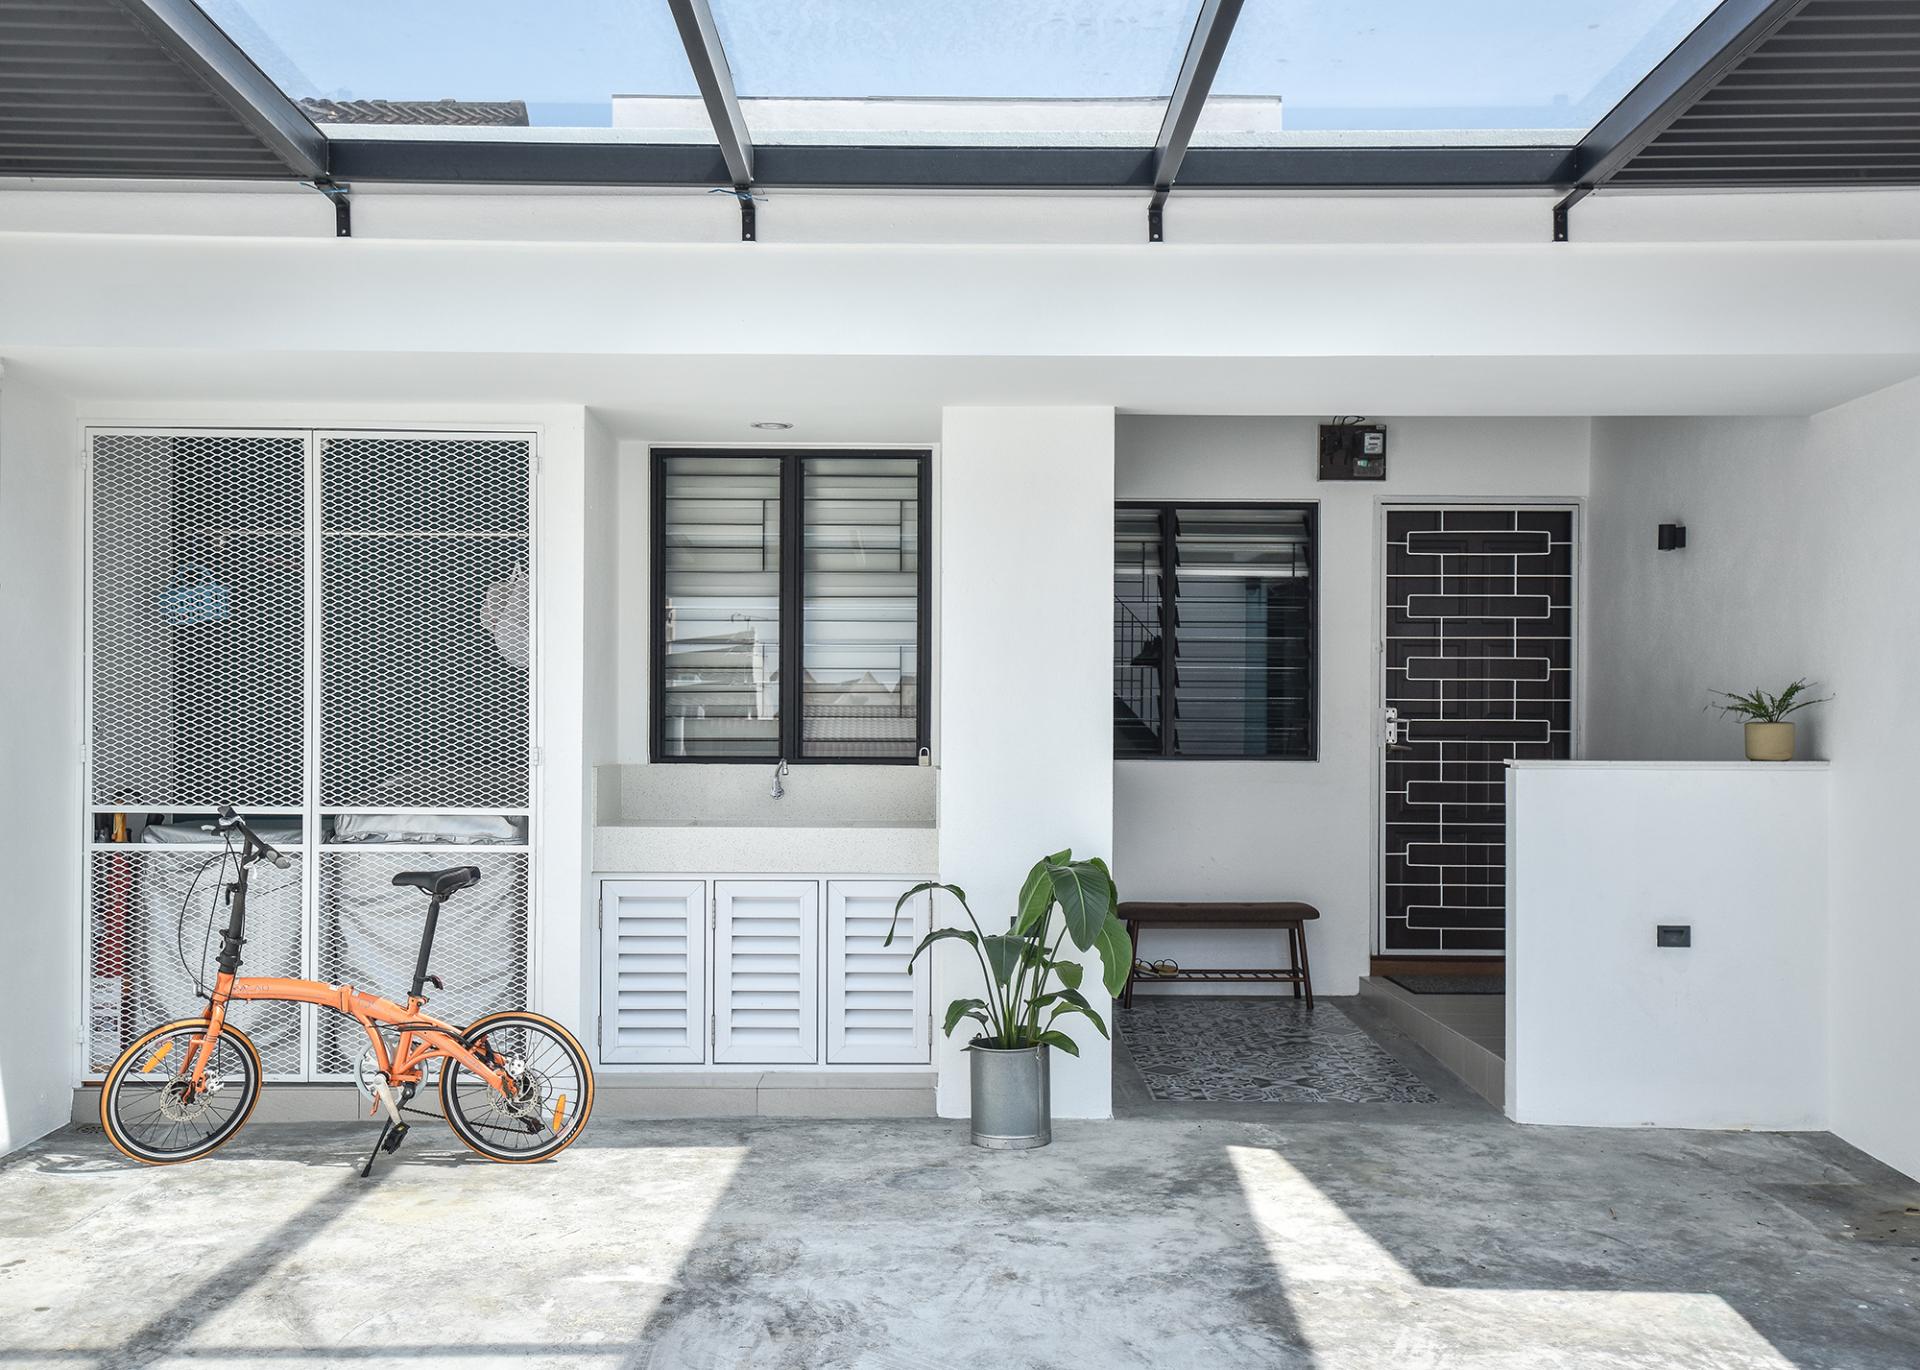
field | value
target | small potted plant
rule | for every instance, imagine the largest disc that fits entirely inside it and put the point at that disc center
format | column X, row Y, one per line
column 1029, row 988
column 1769, row 735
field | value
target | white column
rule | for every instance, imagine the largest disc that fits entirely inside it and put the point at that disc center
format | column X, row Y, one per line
column 40, row 732
column 564, row 957
column 1026, row 645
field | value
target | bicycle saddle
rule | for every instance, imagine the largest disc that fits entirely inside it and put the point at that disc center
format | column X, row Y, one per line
column 440, row 883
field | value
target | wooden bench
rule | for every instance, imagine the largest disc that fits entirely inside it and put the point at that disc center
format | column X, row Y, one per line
column 1291, row 917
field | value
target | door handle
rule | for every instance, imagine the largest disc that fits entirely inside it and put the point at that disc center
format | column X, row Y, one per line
column 1397, row 729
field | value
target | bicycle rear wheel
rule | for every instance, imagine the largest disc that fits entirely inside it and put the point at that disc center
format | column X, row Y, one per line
column 553, row 1089
column 152, row 1110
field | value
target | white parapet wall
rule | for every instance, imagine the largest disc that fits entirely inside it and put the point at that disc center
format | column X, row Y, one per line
column 1607, row 1028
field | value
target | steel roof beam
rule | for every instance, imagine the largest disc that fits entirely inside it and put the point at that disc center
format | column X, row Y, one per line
column 199, row 45
column 711, row 73
column 1211, row 32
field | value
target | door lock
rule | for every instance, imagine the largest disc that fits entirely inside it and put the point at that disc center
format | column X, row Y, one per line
column 1397, row 732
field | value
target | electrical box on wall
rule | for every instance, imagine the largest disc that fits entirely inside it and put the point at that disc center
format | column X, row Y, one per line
column 1351, row 450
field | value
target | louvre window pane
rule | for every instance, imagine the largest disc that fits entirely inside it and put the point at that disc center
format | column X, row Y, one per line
column 860, row 686
column 1137, row 586
column 720, row 663
column 1237, row 678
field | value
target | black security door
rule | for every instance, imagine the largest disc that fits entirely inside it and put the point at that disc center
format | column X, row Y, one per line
column 1478, row 670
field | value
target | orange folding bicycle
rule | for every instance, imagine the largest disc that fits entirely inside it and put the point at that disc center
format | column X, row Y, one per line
column 514, row 1086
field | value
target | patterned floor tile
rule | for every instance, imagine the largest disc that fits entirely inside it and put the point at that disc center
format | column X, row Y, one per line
column 1262, row 1051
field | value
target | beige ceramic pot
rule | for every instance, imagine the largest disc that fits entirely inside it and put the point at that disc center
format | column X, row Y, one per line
column 1769, row 741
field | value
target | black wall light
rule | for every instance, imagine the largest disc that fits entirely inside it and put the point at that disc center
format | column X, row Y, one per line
column 1673, row 536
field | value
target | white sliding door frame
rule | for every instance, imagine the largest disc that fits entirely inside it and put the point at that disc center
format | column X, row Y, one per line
column 310, row 811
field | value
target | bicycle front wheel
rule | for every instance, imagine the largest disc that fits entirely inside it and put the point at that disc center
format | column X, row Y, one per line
column 552, row 1089
column 153, row 1110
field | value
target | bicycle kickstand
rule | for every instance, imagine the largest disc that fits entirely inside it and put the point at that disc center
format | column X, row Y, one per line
column 393, row 1131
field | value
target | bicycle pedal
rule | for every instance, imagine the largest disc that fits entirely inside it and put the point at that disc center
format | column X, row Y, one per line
column 395, row 1135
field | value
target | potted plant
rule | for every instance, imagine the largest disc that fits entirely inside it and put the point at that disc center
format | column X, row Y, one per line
column 1769, row 735
column 1029, row 988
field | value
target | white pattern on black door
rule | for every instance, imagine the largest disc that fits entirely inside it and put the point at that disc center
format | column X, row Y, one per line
column 1478, row 668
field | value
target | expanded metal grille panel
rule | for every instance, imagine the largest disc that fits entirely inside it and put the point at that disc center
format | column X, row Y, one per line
column 425, row 622
column 199, row 583
column 369, row 937
column 149, row 948
column 1830, row 97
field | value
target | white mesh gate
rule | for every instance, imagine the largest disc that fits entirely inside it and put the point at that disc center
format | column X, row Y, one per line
column 332, row 632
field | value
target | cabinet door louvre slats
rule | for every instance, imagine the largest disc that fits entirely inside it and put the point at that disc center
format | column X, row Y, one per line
column 653, row 971
column 876, row 1001
column 765, row 972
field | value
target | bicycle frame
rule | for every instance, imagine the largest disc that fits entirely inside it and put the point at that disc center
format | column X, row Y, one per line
column 421, row 1037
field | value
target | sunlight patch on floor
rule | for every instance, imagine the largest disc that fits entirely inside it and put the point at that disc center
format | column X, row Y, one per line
column 1320, row 1253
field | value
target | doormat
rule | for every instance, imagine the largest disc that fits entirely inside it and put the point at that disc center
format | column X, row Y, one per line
column 1262, row 1051
column 1451, row 984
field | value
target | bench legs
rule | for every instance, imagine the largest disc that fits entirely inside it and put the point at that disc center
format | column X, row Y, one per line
column 1297, row 956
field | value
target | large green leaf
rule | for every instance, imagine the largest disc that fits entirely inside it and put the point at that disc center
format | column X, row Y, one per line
column 1084, row 1009
column 1086, row 898
column 1113, row 890
column 1116, row 953
column 966, row 1008
column 1070, row 972
column 941, row 935
column 1060, row 1040
column 920, row 888
column 1005, row 953
column 1036, row 895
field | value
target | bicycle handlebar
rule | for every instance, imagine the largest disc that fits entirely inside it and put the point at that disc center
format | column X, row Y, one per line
column 226, row 820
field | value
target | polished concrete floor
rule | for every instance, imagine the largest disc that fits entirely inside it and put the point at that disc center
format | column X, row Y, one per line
column 1394, row 1236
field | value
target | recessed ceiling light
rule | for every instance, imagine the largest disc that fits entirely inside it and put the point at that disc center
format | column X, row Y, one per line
column 771, row 425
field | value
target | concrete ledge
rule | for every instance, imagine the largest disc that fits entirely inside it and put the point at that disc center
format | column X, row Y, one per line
column 1458, row 1037
column 643, row 1095
column 279, row 1103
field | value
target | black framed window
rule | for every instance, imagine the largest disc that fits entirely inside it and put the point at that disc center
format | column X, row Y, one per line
column 1214, row 630
column 790, row 606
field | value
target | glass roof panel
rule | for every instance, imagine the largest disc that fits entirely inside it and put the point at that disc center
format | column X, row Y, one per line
column 1314, row 73
column 1018, row 73
column 486, row 69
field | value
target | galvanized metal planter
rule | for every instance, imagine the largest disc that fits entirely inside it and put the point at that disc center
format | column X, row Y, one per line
column 1012, row 1097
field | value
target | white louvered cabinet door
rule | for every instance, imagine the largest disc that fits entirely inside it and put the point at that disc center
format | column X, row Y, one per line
column 877, row 1004
column 766, row 987
column 653, row 973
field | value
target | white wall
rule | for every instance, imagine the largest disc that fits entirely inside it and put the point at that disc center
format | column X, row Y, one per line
column 1605, row 1028
column 1026, row 691
column 1298, row 829
column 1800, row 561
column 40, row 632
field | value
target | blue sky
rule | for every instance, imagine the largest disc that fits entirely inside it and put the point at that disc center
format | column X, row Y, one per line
column 1354, row 64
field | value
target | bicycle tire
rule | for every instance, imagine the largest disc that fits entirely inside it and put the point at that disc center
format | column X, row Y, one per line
column 545, row 1104
column 149, row 1051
